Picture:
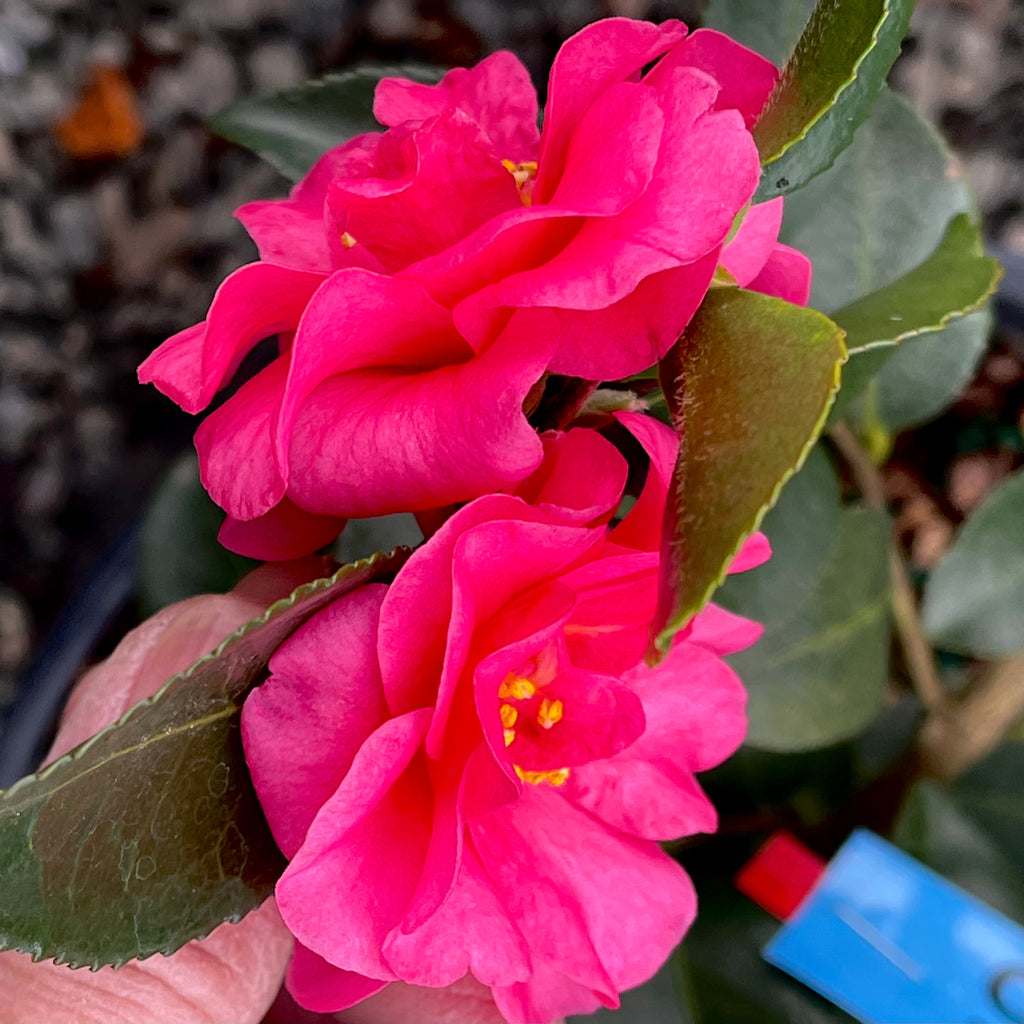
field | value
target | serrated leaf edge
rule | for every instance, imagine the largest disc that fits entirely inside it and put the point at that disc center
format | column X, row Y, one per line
column 887, row 12
column 279, row 607
column 664, row 638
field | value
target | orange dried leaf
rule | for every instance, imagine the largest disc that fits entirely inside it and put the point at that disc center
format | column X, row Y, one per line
column 106, row 121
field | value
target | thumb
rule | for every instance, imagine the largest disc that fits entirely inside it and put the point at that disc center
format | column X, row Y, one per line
column 233, row 974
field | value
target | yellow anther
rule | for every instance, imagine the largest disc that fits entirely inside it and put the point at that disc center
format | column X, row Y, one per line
column 508, row 715
column 549, row 713
column 348, row 240
column 516, row 688
column 510, row 735
column 523, row 173
column 557, row 776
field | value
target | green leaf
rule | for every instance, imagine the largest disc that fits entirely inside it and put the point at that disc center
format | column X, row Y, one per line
column 955, row 280
column 974, row 600
column 937, row 826
column 291, row 130
column 727, row 980
column 914, row 383
column 826, row 89
column 150, row 834
column 179, row 553
column 743, row 358
column 770, row 29
column 818, row 673
column 880, row 210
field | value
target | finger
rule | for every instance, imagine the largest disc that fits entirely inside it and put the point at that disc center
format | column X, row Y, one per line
column 235, row 972
column 465, row 1002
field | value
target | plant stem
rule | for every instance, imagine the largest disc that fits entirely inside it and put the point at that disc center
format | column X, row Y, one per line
column 957, row 736
column 917, row 651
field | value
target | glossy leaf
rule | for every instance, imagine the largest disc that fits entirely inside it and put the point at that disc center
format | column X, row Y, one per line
column 150, row 834
column 770, row 29
column 291, row 130
column 956, row 279
column 880, row 211
column 179, row 552
column 974, row 600
column 877, row 214
column 743, row 358
column 817, row 675
column 893, row 389
column 826, row 89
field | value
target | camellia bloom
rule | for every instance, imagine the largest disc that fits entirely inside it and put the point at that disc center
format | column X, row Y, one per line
column 470, row 769
column 424, row 279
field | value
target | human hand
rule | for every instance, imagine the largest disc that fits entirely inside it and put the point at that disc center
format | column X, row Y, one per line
column 235, row 973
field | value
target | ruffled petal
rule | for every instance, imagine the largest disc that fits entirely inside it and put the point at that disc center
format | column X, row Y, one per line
column 746, row 253
column 695, row 706
column 339, row 895
column 446, row 181
column 256, row 301
column 746, row 79
column 642, row 527
column 323, row 988
column 285, row 531
column 582, row 891
column 470, row 932
column 302, row 727
column 372, row 442
column 581, row 478
column 786, row 275
column 596, row 58
column 236, row 457
column 497, row 94
column 359, row 320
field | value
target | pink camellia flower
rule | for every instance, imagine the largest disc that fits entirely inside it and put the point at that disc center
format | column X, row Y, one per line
column 424, row 279
column 470, row 769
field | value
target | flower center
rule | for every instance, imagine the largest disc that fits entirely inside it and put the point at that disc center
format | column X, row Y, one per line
column 524, row 173
column 522, row 704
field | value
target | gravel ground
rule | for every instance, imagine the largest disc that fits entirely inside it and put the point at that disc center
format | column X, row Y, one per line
column 104, row 254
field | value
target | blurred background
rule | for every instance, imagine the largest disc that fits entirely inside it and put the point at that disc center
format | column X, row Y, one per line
column 116, row 227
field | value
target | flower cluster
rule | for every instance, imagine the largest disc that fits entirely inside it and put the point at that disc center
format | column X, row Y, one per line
column 470, row 769
column 424, row 280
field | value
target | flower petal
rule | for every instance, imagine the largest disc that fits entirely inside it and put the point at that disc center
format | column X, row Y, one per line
column 285, row 531
column 582, row 891
column 786, row 275
column 236, row 457
column 597, row 57
column 323, row 988
column 497, row 94
column 372, row 442
column 303, row 726
column 446, row 181
column 745, row 77
column 746, row 253
column 470, row 932
column 339, row 895
column 360, row 320
column 256, row 301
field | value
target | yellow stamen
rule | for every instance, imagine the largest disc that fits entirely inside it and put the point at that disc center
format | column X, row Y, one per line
column 549, row 713
column 523, row 173
column 517, row 688
column 508, row 715
column 510, row 735
column 557, row 776
column 348, row 240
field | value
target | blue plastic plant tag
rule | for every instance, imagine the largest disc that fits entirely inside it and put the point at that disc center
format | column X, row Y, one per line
column 891, row 942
